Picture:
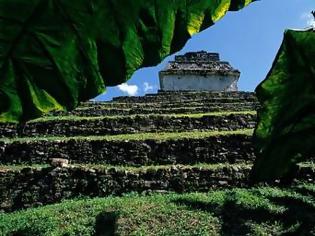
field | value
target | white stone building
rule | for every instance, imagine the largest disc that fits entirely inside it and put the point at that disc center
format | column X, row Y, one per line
column 199, row 71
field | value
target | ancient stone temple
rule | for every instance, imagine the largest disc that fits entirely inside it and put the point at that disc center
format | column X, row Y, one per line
column 199, row 71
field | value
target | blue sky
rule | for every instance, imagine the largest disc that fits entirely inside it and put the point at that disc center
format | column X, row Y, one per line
column 249, row 39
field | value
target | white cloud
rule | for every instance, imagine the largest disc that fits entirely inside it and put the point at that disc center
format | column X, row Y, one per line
column 147, row 87
column 131, row 90
column 309, row 19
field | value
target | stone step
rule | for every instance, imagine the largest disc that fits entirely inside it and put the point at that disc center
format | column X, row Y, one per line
column 217, row 93
column 176, row 99
column 86, row 126
column 182, row 96
column 96, row 111
column 134, row 149
column 167, row 103
column 46, row 185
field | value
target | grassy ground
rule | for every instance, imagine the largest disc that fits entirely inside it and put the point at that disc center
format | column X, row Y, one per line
column 137, row 136
column 255, row 211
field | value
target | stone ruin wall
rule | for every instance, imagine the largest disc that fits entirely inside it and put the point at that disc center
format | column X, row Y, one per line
column 199, row 82
column 199, row 71
column 41, row 186
column 213, row 150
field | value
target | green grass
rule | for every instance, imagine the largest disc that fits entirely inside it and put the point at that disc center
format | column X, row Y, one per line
column 138, row 136
column 183, row 101
column 153, row 108
column 223, row 113
column 309, row 165
column 133, row 168
column 157, row 167
column 90, row 118
column 20, row 167
column 254, row 211
column 173, row 104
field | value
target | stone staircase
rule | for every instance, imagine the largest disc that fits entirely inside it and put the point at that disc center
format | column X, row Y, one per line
column 70, row 126
column 180, row 141
column 168, row 103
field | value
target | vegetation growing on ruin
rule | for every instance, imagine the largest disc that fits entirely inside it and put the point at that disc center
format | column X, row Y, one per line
column 138, row 136
column 134, row 169
column 90, row 118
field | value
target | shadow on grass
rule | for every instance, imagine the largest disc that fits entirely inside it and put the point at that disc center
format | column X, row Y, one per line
column 237, row 218
column 106, row 224
column 298, row 212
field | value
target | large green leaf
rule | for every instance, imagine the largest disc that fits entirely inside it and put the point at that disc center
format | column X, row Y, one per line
column 285, row 133
column 56, row 53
